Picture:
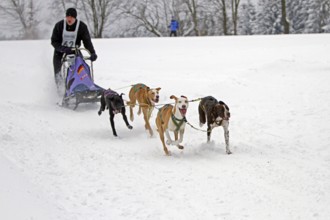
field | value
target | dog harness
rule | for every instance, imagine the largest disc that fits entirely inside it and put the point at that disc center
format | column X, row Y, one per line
column 137, row 87
column 178, row 122
column 110, row 93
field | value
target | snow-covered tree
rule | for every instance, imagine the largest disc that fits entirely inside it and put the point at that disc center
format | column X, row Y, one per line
column 97, row 15
column 298, row 15
column 269, row 17
column 146, row 17
column 23, row 16
column 318, row 16
column 247, row 19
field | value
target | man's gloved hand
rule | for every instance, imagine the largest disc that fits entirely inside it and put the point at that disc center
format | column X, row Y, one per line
column 66, row 50
column 93, row 57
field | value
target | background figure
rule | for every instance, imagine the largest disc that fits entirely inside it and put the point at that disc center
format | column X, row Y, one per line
column 174, row 26
column 67, row 34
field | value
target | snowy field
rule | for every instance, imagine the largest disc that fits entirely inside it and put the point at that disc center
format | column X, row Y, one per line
column 57, row 163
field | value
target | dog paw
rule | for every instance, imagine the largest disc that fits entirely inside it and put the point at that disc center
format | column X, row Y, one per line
column 180, row 147
column 168, row 142
column 99, row 113
column 228, row 152
column 130, row 127
column 168, row 153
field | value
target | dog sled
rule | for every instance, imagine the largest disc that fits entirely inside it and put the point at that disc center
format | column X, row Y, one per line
column 79, row 79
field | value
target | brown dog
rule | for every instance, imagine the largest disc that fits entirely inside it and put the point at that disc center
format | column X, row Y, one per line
column 146, row 98
column 172, row 118
column 215, row 114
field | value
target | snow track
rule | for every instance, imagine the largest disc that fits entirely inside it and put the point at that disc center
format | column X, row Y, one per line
column 57, row 163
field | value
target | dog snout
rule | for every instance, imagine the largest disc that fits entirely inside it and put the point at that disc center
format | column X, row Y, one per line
column 184, row 106
column 156, row 98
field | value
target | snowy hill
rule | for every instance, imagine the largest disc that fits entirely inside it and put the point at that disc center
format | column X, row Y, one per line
column 57, row 163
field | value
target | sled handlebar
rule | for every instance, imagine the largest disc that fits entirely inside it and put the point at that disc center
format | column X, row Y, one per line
column 77, row 50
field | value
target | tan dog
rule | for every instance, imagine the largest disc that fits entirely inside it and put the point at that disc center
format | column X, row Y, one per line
column 146, row 98
column 172, row 118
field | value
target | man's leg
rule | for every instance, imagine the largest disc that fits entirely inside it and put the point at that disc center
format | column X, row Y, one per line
column 57, row 62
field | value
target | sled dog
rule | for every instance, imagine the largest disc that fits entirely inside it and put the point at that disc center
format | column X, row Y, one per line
column 215, row 113
column 146, row 98
column 114, row 102
column 172, row 118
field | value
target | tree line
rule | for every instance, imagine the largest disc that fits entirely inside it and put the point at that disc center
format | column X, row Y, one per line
column 34, row 19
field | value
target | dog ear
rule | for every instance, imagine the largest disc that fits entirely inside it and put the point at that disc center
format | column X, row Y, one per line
column 182, row 96
column 173, row 97
column 121, row 95
column 222, row 103
column 158, row 88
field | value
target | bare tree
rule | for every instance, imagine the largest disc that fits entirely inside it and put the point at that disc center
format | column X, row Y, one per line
column 221, row 6
column 27, row 14
column 148, row 15
column 97, row 13
column 234, row 10
column 58, row 7
column 191, row 6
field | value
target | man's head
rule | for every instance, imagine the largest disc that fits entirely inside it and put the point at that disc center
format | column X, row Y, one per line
column 71, row 15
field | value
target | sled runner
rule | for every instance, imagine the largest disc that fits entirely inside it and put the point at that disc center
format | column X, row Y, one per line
column 79, row 79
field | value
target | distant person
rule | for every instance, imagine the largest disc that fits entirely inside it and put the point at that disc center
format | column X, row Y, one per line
column 174, row 26
column 67, row 34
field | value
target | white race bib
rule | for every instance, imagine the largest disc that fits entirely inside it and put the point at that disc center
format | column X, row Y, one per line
column 69, row 37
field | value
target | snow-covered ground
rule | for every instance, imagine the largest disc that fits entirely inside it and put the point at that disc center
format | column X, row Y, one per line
column 57, row 163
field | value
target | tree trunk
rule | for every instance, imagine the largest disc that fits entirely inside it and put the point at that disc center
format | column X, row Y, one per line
column 235, row 5
column 285, row 21
column 224, row 14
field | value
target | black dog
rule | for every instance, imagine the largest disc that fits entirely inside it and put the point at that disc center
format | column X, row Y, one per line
column 114, row 102
column 215, row 114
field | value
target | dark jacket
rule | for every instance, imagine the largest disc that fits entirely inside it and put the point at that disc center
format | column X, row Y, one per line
column 82, row 35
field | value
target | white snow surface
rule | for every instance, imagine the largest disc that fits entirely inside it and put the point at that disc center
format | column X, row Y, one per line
column 56, row 163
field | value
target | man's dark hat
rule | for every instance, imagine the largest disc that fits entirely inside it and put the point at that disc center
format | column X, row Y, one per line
column 71, row 12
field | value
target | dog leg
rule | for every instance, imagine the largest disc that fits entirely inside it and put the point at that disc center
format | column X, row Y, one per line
column 176, row 141
column 131, row 105
column 146, row 120
column 102, row 107
column 161, row 135
column 168, row 137
column 226, row 134
column 209, row 131
column 112, row 123
column 123, row 112
column 176, row 134
column 180, row 139
column 131, row 102
column 160, row 130
column 131, row 116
